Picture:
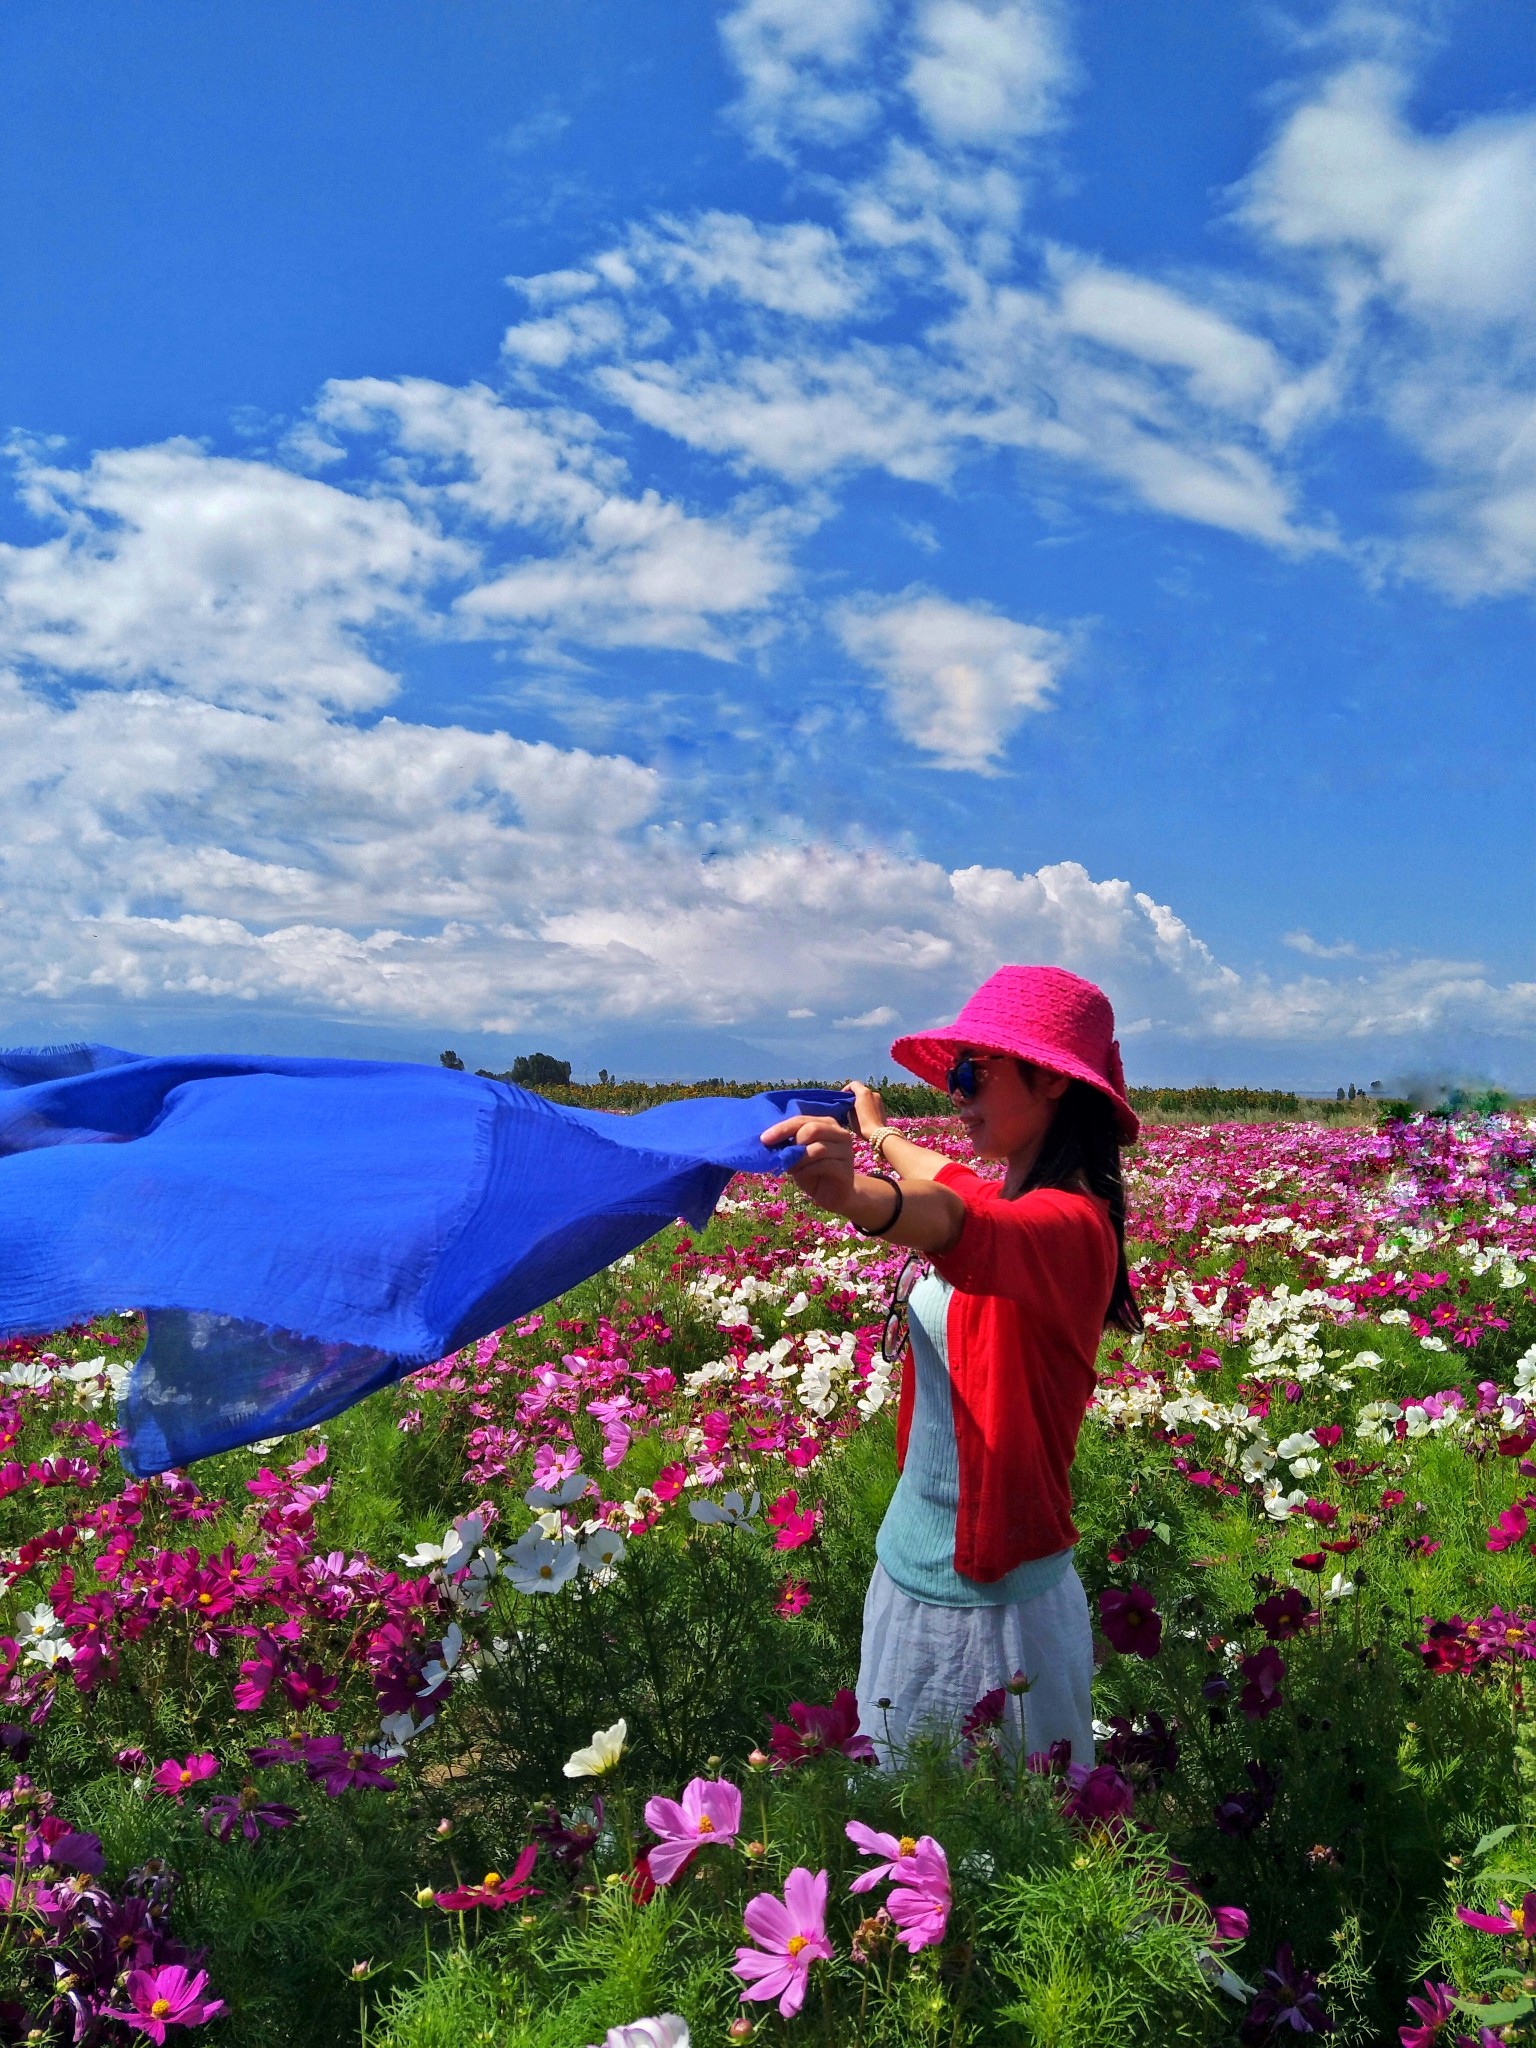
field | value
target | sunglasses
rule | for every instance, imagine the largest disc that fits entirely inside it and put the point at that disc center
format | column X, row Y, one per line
column 965, row 1076
column 893, row 1332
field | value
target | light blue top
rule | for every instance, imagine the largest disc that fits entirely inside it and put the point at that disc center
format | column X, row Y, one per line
column 916, row 1543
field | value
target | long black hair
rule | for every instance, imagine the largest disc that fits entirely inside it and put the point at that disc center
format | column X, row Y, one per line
column 1083, row 1146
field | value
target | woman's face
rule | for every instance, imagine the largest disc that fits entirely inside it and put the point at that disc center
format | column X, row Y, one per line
column 1013, row 1106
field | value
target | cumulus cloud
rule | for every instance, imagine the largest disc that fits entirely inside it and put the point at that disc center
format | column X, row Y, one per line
column 987, row 72
column 957, row 678
column 797, row 61
column 214, row 573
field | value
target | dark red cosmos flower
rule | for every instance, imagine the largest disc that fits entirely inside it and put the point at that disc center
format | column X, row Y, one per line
column 1283, row 1615
column 493, row 1891
column 1262, row 1673
column 1327, row 1434
column 1127, row 1545
column 1309, row 1561
column 1393, row 1497
column 1241, row 1814
column 1131, row 1621
column 817, row 1730
column 1448, row 1646
column 1287, row 2003
column 1322, row 1511
column 570, row 1843
column 1150, row 1752
column 1098, row 1796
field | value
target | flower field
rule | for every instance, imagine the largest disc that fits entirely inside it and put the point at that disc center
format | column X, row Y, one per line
column 513, row 1705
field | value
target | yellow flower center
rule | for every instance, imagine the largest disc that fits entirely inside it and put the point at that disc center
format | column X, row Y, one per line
column 797, row 1942
column 1517, row 1914
column 706, row 1825
column 186, row 1777
column 491, row 1880
column 160, row 2008
column 906, row 1846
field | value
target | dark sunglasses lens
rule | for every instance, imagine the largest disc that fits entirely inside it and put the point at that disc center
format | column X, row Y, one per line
column 962, row 1079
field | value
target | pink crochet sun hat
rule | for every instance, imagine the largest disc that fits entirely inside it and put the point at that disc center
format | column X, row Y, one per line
column 1044, row 1015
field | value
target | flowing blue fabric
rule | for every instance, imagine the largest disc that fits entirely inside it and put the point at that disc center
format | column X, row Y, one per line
column 300, row 1232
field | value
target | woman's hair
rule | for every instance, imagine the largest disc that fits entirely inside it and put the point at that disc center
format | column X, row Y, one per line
column 1083, row 1144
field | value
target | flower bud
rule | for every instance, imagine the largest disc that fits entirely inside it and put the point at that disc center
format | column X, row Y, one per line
column 739, row 2030
column 426, row 1896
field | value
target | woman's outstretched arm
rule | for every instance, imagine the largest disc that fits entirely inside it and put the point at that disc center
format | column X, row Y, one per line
column 931, row 1217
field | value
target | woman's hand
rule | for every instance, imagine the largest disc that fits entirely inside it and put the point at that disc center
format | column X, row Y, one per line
column 926, row 1219
column 868, row 1109
column 826, row 1172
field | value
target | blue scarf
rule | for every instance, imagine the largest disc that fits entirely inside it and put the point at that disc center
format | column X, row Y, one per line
column 301, row 1232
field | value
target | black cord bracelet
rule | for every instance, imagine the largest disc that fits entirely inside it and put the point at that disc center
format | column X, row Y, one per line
column 890, row 1223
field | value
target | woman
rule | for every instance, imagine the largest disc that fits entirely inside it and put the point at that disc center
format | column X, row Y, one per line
column 975, row 1580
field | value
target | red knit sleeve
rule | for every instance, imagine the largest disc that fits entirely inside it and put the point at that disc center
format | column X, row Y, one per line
column 1021, row 1248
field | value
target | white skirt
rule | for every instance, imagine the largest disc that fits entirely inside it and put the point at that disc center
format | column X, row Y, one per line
column 922, row 1668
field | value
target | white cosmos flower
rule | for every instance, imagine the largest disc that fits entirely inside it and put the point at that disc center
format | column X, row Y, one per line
column 600, row 1754
column 438, row 1667
column 457, row 1547
column 39, row 1622
column 559, row 1496
column 667, row 2030
column 1299, row 1445
column 1303, row 1468
column 537, row 1563
column 1257, row 1459
column 1339, row 1588
column 600, row 1549
column 1278, row 1505
column 399, row 1729
column 798, row 1306
column 49, row 1650
column 733, row 1509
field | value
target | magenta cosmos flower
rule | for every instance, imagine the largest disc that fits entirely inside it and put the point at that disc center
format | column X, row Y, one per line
column 709, row 1811
column 1131, row 1621
column 177, row 1779
column 168, row 1997
column 898, row 1854
column 1519, row 1919
column 493, row 1890
column 791, row 1934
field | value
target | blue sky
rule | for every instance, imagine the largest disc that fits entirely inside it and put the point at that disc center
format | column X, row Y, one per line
column 684, row 536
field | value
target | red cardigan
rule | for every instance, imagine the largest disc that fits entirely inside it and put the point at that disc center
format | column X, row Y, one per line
column 1032, row 1280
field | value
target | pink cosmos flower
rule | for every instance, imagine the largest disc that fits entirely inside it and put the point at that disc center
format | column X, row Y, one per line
column 170, row 1996
column 791, row 1934
column 899, row 1854
column 1436, row 2009
column 176, row 1779
column 1519, row 1919
column 1511, row 1528
column 920, row 1907
column 794, row 1526
column 794, row 1598
column 670, row 1481
column 709, row 1811
column 493, row 1890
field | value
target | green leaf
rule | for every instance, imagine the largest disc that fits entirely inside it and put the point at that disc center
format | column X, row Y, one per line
column 1162, row 1532
column 1493, row 1838
column 1497, row 2015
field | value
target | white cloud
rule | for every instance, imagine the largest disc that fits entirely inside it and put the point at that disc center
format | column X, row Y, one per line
column 867, row 1020
column 987, row 72
column 611, row 569
column 214, row 574
column 797, row 60
column 1447, row 223
column 800, row 268
column 958, row 678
